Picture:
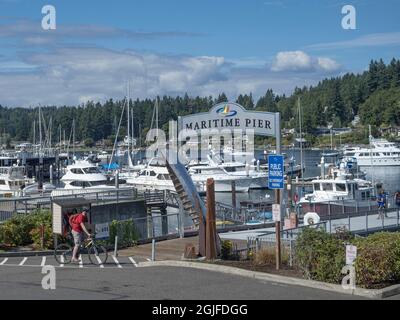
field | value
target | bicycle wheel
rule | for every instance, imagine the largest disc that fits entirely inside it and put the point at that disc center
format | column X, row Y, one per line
column 63, row 253
column 97, row 255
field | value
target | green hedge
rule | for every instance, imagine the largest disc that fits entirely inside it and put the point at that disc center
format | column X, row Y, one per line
column 321, row 257
column 126, row 232
column 378, row 260
column 23, row 230
column 26, row 230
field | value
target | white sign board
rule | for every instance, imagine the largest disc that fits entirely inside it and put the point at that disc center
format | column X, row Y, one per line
column 351, row 254
column 102, row 231
column 57, row 219
column 276, row 212
column 231, row 116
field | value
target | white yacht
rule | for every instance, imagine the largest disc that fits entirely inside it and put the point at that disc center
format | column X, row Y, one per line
column 84, row 175
column 152, row 177
column 223, row 179
column 381, row 153
column 233, row 170
column 338, row 194
column 13, row 180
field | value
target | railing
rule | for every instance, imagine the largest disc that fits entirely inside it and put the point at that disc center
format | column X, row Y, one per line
column 367, row 221
column 162, row 197
column 226, row 212
column 25, row 205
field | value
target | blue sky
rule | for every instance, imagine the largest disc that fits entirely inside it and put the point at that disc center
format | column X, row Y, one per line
column 175, row 46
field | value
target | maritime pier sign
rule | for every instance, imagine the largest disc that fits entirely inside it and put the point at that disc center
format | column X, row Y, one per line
column 232, row 116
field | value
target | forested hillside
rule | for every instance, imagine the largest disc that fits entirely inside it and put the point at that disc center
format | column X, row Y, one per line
column 374, row 95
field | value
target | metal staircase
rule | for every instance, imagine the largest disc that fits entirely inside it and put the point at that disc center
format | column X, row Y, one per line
column 186, row 190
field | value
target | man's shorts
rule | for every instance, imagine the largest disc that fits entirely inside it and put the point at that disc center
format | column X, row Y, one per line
column 78, row 237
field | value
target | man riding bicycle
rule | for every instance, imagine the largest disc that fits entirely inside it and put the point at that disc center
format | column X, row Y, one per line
column 78, row 229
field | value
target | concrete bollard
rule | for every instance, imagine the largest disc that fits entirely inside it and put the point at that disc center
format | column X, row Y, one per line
column 116, row 247
column 153, row 250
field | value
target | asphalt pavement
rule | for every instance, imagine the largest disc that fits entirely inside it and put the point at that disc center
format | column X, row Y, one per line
column 123, row 278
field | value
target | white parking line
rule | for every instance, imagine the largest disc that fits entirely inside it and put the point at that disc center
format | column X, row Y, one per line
column 62, row 261
column 23, row 261
column 116, row 262
column 4, row 261
column 133, row 261
column 80, row 261
column 99, row 261
column 43, row 262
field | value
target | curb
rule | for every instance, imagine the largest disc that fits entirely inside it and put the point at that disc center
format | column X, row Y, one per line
column 366, row 293
column 26, row 254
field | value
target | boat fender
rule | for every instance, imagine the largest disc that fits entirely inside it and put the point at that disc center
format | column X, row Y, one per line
column 311, row 218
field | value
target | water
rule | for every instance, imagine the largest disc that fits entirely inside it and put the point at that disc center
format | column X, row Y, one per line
column 389, row 176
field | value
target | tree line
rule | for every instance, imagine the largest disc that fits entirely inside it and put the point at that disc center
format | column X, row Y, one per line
column 373, row 95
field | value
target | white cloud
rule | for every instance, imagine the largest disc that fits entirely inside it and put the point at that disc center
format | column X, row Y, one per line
column 328, row 64
column 74, row 75
column 299, row 61
column 292, row 61
column 370, row 40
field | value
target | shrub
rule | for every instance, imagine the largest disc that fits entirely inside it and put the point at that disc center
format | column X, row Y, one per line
column 16, row 231
column 20, row 229
column 320, row 256
column 226, row 249
column 266, row 256
column 126, row 232
column 378, row 259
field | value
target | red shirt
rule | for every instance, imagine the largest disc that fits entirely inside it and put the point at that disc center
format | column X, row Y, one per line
column 75, row 222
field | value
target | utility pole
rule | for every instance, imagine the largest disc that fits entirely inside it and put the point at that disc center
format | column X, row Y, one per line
column 211, row 231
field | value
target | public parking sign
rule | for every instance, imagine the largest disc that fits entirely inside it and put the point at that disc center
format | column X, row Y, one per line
column 275, row 172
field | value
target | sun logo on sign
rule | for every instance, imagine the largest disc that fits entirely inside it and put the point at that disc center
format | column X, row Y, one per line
column 226, row 111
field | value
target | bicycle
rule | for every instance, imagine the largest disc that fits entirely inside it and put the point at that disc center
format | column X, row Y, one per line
column 97, row 253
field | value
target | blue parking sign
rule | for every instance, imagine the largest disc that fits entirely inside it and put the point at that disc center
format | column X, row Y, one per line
column 275, row 172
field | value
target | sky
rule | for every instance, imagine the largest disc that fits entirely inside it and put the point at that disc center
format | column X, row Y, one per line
column 170, row 47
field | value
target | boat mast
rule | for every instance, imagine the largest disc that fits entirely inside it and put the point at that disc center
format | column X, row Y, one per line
column 301, row 139
column 73, row 138
column 34, row 133
column 371, row 155
column 40, row 130
column 128, row 116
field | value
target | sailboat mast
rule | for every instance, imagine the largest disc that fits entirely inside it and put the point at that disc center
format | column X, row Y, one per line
column 40, row 130
column 34, row 132
column 128, row 116
column 301, row 138
column 157, row 115
column 73, row 138
column 371, row 154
